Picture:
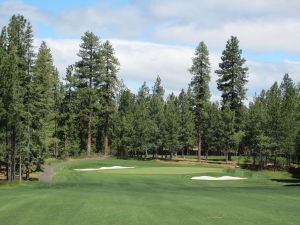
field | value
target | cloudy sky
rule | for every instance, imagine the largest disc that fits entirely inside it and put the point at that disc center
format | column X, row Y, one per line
column 158, row 37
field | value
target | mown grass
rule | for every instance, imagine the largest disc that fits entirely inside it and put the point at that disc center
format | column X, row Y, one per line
column 152, row 193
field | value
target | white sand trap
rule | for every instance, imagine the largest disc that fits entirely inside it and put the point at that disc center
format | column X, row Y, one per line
column 218, row 178
column 105, row 168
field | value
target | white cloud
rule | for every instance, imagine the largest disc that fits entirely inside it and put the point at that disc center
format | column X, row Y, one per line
column 258, row 36
column 263, row 74
column 262, row 26
column 104, row 20
column 143, row 61
column 267, row 25
column 35, row 15
column 64, row 52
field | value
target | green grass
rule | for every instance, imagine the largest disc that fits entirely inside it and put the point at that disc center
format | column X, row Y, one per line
column 152, row 193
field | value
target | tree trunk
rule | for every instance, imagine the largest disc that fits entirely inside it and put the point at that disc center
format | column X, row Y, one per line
column 260, row 160
column 254, row 160
column 27, row 172
column 7, row 172
column 20, row 167
column 7, row 154
column 55, row 133
column 275, row 162
column 13, row 151
column 226, row 156
column 199, row 145
column 89, row 138
column 106, row 151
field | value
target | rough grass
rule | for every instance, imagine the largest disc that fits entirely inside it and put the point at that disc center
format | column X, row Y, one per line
column 152, row 193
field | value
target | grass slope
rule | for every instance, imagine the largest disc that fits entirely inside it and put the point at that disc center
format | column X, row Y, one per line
column 152, row 193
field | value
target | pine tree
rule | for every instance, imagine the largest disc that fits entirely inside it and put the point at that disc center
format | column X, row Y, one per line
column 44, row 81
column 172, row 125
column 289, row 110
column 108, row 86
column 16, row 59
column 233, row 78
column 88, row 74
column 274, row 120
column 213, row 129
column 142, row 122
column 156, row 112
column 256, row 138
column 200, row 81
column 187, row 123
column 68, row 129
column 123, row 130
column 297, row 147
column 228, row 118
column 3, row 42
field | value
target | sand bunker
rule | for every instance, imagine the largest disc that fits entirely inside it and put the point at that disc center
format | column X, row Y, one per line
column 218, row 178
column 105, row 168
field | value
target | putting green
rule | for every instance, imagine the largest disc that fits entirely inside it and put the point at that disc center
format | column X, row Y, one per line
column 151, row 193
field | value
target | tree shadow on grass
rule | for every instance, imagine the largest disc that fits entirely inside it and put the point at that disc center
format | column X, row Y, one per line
column 289, row 182
column 294, row 181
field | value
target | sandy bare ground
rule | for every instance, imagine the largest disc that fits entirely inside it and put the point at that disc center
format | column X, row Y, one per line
column 105, row 168
column 48, row 174
column 218, row 178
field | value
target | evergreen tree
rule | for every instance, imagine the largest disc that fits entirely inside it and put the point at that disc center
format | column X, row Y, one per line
column 89, row 75
column 108, row 86
column 232, row 78
column 172, row 125
column 142, row 122
column 256, row 138
column 200, row 81
column 44, row 82
column 274, row 119
column 289, row 110
column 16, row 60
column 3, row 42
column 228, row 118
column 187, row 123
column 156, row 112
column 123, row 130
column 297, row 147
column 213, row 129
column 68, row 130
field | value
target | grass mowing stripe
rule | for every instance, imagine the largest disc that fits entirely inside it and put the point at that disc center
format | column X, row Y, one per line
column 153, row 193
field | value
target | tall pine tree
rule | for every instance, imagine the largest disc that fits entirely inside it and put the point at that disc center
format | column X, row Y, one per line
column 200, row 81
column 88, row 74
column 108, row 88
column 233, row 78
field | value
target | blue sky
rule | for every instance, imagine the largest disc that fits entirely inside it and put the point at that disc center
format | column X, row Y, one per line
column 158, row 37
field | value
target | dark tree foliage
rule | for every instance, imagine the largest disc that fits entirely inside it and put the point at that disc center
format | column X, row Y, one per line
column 156, row 113
column 187, row 123
column 201, row 94
column 107, row 89
column 172, row 125
column 123, row 129
column 92, row 111
column 233, row 78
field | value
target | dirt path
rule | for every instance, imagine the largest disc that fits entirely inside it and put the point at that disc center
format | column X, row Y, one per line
column 48, row 174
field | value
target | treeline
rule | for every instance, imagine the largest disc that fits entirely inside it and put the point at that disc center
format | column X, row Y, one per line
column 91, row 111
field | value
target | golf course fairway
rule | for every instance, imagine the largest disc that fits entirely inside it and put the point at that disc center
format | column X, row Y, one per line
column 152, row 192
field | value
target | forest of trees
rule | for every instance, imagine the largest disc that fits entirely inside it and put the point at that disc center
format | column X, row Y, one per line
column 91, row 111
